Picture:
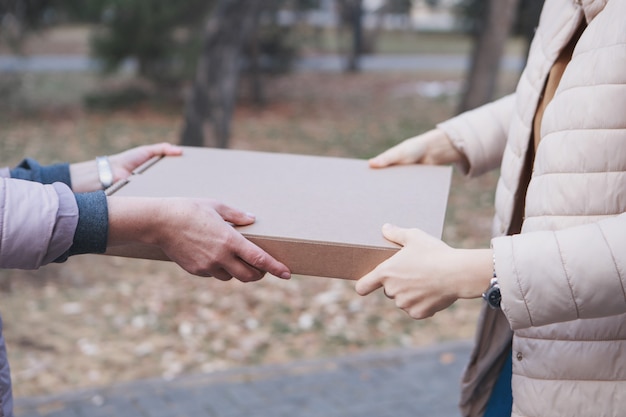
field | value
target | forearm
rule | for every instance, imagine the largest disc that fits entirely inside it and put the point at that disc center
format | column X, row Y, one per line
column 472, row 271
column 84, row 176
column 81, row 177
column 135, row 220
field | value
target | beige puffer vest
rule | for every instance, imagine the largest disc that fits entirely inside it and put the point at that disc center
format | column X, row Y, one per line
column 563, row 278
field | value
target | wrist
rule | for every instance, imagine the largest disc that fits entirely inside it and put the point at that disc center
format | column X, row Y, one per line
column 84, row 177
column 476, row 271
column 134, row 220
column 442, row 149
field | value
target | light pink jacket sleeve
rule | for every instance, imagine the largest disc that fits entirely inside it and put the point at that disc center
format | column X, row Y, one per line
column 37, row 222
column 481, row 134
column 555, row 276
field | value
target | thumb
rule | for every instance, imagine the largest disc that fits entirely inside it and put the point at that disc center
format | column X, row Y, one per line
column 234, row 216
column 168, row 149
column 395, row 234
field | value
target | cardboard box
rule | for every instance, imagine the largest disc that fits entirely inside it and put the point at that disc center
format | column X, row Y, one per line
column 321, row 216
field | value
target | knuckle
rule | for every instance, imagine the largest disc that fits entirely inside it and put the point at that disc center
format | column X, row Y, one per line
column 258, row 260
column 229, row 243
column 402, row 303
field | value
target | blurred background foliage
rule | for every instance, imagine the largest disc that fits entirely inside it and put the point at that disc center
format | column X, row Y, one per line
column 164, row 37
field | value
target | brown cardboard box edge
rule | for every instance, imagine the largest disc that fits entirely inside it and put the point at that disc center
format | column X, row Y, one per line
column 302, row 257
column 323, row 258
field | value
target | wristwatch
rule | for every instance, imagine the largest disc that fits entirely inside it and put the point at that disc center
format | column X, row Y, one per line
column 492, row 296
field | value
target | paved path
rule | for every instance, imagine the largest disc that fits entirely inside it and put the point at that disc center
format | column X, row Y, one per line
column 399, row 383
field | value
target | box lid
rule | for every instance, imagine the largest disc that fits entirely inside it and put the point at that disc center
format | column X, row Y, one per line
column 317, row 202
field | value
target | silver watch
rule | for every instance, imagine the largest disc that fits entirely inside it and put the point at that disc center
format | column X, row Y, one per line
column 492, row 295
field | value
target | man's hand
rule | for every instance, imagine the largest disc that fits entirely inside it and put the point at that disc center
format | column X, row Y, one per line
column 195, row 233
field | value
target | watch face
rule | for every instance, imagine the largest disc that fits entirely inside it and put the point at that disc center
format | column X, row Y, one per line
column 494, row 297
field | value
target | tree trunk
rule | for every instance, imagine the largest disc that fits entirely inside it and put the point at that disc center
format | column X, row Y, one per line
column 355, row 10
column 211, row 103
column 256, row 77
column 488, row 48
column 374, row 34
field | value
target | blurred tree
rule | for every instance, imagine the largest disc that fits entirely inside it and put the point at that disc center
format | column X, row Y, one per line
column 211, row 102
column 159, row 34
column 476, row 16
column 364, row 40
column 491, row 33
column 270, row 50
column 351, row 13
column 19, row 17
column 84, row 11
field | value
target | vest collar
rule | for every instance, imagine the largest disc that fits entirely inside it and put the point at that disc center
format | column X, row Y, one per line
column 591, row 8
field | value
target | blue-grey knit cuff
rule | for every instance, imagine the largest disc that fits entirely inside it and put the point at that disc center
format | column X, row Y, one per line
column 92, row 231
column 30, row 169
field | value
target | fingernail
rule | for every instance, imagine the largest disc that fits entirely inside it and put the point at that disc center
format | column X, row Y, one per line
column 286, row 275
column 251, row 215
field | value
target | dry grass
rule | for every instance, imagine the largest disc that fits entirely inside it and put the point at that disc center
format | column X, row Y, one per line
column 97, row 320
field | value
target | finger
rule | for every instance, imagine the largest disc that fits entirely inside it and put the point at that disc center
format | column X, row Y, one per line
column 369, row 283
column 395, row 234
column 387, row 294
column 221, row 274
column 389, row 157
column 233, row 215
column 244, row 272
column 261, row 260
column 164, row 148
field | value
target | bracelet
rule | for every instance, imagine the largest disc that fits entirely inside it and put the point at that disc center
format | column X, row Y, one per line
column 104, row 171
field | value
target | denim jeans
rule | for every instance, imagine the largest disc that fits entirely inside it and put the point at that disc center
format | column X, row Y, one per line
column 501, row 400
